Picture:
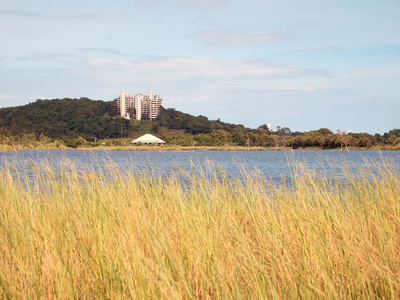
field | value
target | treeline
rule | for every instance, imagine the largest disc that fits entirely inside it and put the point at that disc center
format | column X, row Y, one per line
column 77, row 122
column 311, row 139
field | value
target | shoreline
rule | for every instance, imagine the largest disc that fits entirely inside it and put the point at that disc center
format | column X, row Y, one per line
column 184, row 148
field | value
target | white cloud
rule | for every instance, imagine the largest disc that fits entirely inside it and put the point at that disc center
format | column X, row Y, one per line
column 321, row 49
column 182, row 68
column 296, row 88
column 23, row 13
column 310, row 89
column 229, row 39
column 54, row 57
column 99, row 50
column 102, row 62
column 196, row 4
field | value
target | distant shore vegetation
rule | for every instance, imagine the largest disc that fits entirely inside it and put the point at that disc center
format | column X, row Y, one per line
column 77, row 123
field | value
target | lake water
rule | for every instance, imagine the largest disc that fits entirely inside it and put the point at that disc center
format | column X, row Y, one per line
column 274, row 165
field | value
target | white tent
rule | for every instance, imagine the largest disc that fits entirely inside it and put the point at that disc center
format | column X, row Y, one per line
column 148, row 139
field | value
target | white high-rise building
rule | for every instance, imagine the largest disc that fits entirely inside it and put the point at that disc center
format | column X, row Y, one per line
column 142, row 106
column 138, row 99
column 122, row 103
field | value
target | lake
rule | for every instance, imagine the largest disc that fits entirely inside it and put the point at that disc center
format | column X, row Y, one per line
column 274, row 165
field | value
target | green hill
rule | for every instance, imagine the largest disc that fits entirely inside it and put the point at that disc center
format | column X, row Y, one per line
column 94, row 120
column 66, row 118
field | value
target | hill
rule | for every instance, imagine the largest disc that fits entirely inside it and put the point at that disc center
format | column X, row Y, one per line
column 63, row 118
column 96, row 119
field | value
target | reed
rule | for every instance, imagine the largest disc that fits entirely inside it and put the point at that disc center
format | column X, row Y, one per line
column 72, row 233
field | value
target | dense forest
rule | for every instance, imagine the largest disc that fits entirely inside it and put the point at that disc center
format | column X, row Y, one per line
column 60, row 119
column 75, row 122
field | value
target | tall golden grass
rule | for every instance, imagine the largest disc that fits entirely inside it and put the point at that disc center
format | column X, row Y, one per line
column 73, row 233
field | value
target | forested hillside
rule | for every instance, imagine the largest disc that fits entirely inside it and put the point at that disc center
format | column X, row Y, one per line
column 66, row 118
column 94, row 120
column 75, row 122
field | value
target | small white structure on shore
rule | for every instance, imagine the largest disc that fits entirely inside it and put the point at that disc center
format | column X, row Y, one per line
column 148, row 139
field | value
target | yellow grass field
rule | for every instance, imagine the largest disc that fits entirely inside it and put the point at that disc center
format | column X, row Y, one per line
column 69, row 234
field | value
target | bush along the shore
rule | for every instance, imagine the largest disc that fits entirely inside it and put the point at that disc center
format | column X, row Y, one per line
column 219, row 138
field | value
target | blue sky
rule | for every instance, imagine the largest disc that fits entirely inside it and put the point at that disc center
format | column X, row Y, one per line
column 298, row 64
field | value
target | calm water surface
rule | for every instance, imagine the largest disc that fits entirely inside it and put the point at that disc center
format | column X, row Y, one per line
column 274, row 165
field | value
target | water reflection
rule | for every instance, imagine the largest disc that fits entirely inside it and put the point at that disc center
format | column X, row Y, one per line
column 275, row 166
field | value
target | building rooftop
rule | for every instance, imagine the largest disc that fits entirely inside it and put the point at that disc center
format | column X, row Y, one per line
column 148, row 139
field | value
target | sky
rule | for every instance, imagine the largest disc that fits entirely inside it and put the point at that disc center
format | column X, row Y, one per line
column 300, row 64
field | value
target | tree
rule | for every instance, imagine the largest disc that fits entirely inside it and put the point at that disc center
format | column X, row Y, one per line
column 364, row 142
column 263, row 129
column 342, row 139
column 283, row 131
column 325, row 131
column 132, row 112
column 239, row 138
column 221, row 138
